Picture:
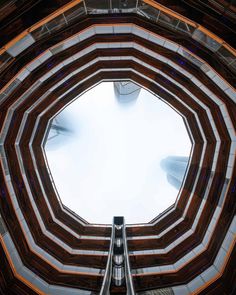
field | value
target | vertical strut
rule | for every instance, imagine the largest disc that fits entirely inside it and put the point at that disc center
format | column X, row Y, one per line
column 118, row 277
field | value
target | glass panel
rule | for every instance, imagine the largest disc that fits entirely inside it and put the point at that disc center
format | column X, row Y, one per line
column 226, row 55
column 64, row 45
column 206, row 40
column 58, row 48
column 56, row 23
column 40, row 32
column 124, row 4
column 74, row 12
column 167, row 20
column 148, row 11
column 181, row 26
column 93, row 5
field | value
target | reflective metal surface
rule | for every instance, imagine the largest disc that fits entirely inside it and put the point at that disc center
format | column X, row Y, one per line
column 118, row 272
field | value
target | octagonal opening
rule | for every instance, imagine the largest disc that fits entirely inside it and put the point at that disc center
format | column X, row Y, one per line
column 118, row 150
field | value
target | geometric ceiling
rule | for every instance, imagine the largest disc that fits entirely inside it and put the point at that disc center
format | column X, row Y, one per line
column 51, row 54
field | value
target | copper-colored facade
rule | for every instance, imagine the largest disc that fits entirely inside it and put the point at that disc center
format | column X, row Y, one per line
column 181, row 52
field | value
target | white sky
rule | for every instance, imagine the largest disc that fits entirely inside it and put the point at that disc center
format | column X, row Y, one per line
column 111, row 164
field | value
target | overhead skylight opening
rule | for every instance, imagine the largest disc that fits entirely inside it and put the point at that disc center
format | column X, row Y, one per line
column 114, row 154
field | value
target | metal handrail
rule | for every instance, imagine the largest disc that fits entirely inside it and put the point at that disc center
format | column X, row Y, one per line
column 128, row 275
column 108, row 272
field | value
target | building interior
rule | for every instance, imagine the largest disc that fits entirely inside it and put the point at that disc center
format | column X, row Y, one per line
column 53, row 51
